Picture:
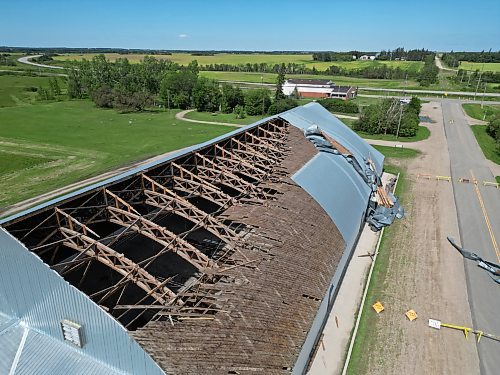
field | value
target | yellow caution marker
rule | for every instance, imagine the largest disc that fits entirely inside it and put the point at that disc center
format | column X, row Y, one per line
column 411, row 315
column 378, row 307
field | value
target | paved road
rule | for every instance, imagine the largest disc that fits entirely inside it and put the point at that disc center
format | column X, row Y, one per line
column 26, row 60
column 478, row 211
column 434, row 92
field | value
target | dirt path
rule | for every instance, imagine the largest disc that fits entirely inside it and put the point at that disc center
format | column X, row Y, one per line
column 180, row 116
column 424, row 274
column 77, row 185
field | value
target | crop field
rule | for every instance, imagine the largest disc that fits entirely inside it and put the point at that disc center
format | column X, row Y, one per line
column 235, row 59
column 486, row 67
column 47, row 146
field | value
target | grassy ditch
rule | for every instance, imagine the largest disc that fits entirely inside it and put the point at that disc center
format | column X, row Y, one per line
column 486, row 142
column 367, row 326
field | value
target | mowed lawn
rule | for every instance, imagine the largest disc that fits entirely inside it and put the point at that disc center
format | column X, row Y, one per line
column 486, row 142
column 47, row 146
column 252, row 58
column 19, row 90
column 475, row 110
column 486, row 67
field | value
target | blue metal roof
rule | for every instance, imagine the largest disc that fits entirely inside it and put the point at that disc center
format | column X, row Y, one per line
column 38, row 298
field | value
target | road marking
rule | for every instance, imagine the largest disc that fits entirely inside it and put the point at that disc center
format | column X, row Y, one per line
column 486, row 218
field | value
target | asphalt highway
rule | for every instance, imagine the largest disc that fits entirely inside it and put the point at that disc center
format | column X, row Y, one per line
column 478, row 209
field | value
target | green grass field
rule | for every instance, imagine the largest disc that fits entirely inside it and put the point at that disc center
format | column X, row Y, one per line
column 486, row 142
column 252, row 58
column 18, row 90
column 475, row 110
column 485, row 67
column 339, row 80
column 47, row 146
column 222, row 117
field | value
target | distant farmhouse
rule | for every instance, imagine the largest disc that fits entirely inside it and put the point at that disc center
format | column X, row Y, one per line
column 317, row 88
column 367, row 57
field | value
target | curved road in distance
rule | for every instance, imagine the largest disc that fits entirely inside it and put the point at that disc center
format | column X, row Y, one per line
column 26, row 60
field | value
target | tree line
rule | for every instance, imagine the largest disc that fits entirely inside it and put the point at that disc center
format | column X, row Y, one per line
column 401, row 54
column 453, row 59
column 152, row 82
column 429, row 73
column 390, row 116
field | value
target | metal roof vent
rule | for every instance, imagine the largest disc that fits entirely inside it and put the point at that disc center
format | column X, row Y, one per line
column 72, row 332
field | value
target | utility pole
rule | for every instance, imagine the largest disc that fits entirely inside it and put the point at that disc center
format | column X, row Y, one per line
column 477, row 86
column 400, row 115
column 262, row 84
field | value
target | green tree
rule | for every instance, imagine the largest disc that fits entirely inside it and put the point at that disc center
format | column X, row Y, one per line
column 206, row 95
column 257, row 102
column 280, row 80
column 282, row 105
column 177, row 88
column 231, row 96
column 54, row 86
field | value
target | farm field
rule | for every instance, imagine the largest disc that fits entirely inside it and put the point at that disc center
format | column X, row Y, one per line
column 253, row 58
column 46, row 146
column 475, row 110
column 339, row 80
column 486, row 67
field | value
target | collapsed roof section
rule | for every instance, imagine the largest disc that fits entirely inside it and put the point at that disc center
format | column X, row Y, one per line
column 218, row 252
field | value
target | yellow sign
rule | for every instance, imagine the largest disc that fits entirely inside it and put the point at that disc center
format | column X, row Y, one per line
column 378, row 307
column 411, row 315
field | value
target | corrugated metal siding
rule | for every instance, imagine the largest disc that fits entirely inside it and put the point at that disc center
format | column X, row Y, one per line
column 342, row 193
column 10, row 337
column 314, row 114
column 41, row 298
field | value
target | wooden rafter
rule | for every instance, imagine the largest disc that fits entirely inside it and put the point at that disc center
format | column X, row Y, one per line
column 209, row 169
column 160, row 196
column 77, row 238
column 237, row 163
column 170, row 241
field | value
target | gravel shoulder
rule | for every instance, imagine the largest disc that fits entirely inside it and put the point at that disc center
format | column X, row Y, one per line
column 423, row 274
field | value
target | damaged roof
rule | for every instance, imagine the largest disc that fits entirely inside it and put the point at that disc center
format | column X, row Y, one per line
column 222, row 258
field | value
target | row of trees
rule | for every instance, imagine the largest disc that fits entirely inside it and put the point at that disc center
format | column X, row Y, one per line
column 429, row 73
column 401, row 54
column 338, row 56
column 133, row 87
column 379, row 71
column 453, row 58
column 390, row 116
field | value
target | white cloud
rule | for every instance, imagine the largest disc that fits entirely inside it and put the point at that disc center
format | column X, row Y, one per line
column 183, row 35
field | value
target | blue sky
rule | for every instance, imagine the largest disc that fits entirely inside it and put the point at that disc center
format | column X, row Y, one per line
column 253, row 24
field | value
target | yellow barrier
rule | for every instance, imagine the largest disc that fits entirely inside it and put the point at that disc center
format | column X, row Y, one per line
column 438, row 324
column 430, row 176
column 488, row 183
column 446, row 178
